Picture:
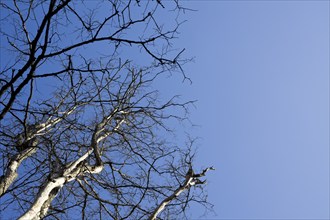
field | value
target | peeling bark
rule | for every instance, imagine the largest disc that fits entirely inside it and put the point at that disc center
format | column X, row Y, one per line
column 44, row 194
column 46, row 205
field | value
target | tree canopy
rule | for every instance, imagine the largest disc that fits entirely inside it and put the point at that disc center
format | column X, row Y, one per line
column 83, row 133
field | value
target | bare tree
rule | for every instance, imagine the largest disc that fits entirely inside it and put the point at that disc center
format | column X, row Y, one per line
column 83, row 133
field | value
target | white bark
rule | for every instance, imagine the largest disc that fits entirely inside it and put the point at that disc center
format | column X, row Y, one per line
column 167, row 200
column 191, row 180
column 11, row 172
column 46, row 205
column 49, row 191
column 43, row 195
column 71, row 171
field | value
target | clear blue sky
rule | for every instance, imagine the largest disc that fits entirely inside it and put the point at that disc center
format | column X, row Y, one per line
column 261, row 75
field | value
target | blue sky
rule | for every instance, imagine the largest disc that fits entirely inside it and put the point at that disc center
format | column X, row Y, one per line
column 261, row 75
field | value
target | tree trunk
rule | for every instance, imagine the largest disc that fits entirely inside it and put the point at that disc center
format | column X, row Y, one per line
column 51, row 187
column 11, row 172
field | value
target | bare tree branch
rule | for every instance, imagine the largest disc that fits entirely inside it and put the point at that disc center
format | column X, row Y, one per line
column 83, row 128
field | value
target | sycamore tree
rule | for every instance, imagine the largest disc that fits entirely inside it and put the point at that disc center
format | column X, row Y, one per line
column 83, row 132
